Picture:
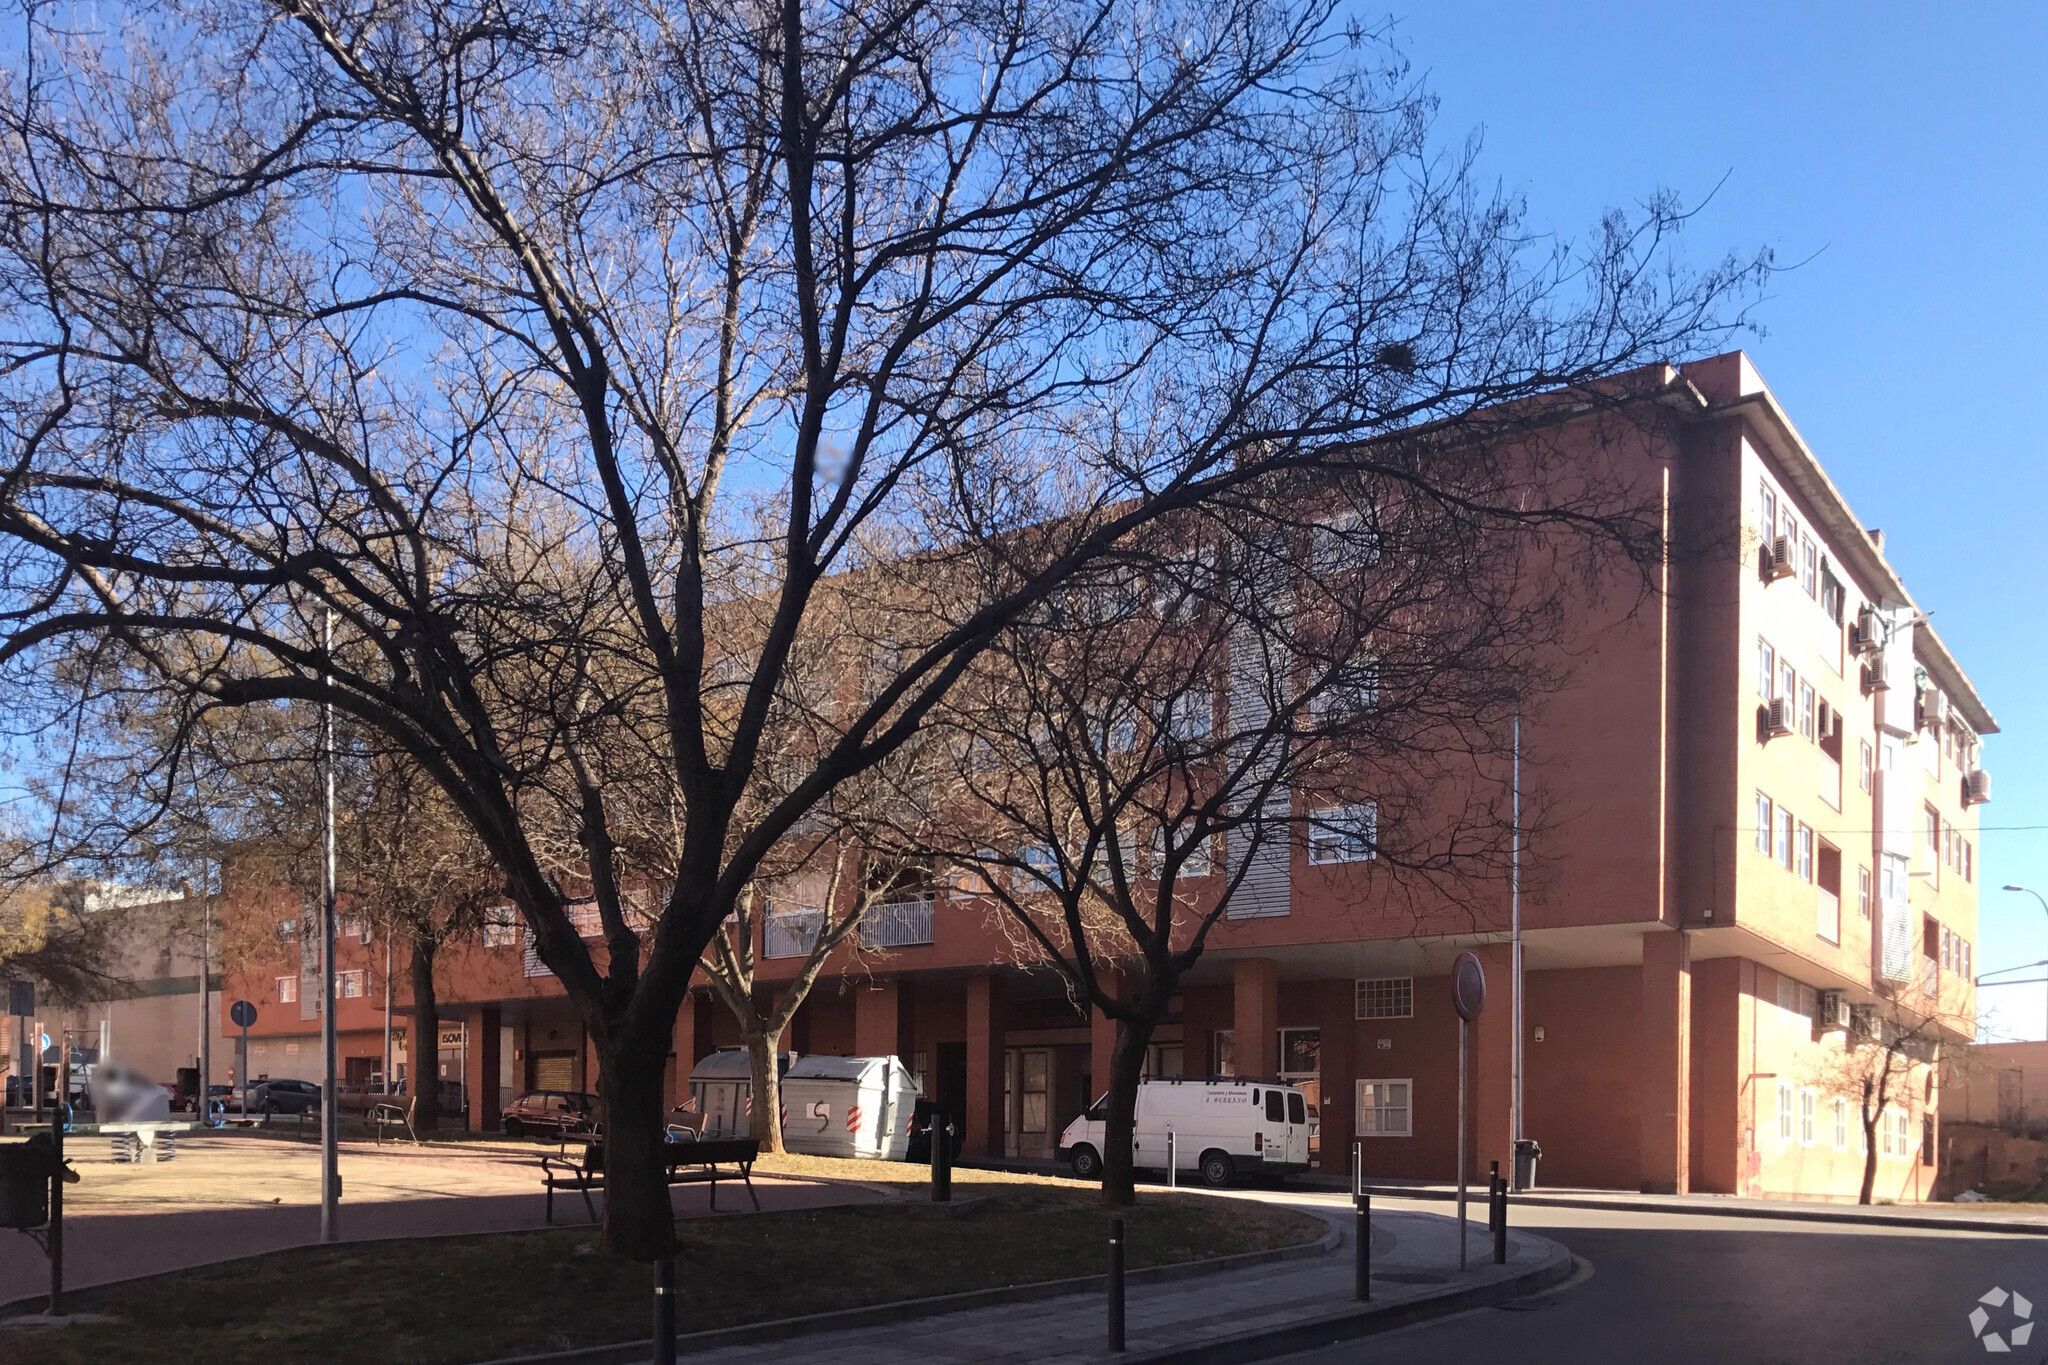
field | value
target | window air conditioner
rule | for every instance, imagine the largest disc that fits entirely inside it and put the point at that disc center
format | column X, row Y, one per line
column 1778, row 562
column 1834, row 1010
column 1976, row 787
column 1863, row 635
column 1779, row 720
column 1873, row 676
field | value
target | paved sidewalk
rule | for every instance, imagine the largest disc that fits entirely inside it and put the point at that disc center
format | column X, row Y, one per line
column 1415, row 1259
column 228, row 1196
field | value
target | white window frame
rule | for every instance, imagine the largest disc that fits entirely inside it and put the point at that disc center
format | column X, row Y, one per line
column 1841, row 1117
column 1803, row 853
column 1344, row 834
column 1767, row 669
column 1862, row 891
column 1808, row 1129
column 1785, row 1103
column 1808, row 698
column 1190, row 715
column 1782, row 844
column 501, row 927
column 1348, row 693
column 1391, row 993
column 287, row 990
column 1197, row 862
column 1406, row 1111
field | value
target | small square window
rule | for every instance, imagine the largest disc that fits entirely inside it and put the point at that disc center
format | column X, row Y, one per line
column 1385, row 1109
column 1385, row 997
column 1344, row 834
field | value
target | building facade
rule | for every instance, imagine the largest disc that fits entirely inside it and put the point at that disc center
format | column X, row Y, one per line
column 1760, row 801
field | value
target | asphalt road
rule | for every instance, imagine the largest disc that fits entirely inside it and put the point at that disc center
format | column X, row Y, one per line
column 1690, row 1290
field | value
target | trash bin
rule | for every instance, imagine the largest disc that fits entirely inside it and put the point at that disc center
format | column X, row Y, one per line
column 25, row 1171
column 1527, row 1153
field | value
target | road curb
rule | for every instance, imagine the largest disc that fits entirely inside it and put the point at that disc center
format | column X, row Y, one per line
column 904, row 1310
column 1820, row 1213
column 1363, row 1320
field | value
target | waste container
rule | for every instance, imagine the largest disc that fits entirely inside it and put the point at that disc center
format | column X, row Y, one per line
column 1527, row 1154
column 25, row 1171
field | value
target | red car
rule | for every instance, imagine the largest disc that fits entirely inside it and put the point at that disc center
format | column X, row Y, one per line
column 551, row 1113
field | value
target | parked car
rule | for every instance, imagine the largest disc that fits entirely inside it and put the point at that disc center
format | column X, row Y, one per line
column 285, row 1097
column 550, row 1113
column 1222, row 1130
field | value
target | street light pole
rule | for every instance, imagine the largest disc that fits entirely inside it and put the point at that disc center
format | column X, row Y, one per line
column 2031, row 892
column 330, row 1096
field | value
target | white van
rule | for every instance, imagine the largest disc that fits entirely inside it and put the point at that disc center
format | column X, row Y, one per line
column 1223, row 1130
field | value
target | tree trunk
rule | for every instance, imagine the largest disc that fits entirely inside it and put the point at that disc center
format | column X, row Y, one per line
column 638, row 1222
column 766, row 1089
column 1869, row 1162
column 423, row 1045
column 1126, row 1068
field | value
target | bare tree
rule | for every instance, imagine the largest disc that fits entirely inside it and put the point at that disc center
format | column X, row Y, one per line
column 524, row 338
column 1888, row 1045
column 1331, row 664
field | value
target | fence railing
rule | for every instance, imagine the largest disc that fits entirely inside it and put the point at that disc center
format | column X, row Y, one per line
column 897, row 924
column 791, row 933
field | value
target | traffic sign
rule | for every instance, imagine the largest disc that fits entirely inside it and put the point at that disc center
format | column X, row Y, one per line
column 1468, row 986
column 242, row 1013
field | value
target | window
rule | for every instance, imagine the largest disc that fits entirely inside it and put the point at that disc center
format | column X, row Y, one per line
column 1190, row 716
column 1788, row 680
column 1806, row 1102
column 287, row 990
column 1806, row 709
column 1902, row 1138
column 1343, row 543
column 1863, row 892
column 1763, row 824
column 1194, row 861
column 1223, row 1052
column 1766, row 668
column 1933, row 846
column 1276, row 1107
column 1867, row 765
column 501, row 927
column 1969, row 861
column 351, row 985
column 1343, row 834
column 1805, row 853
column 1785, row 824
column 1948, row 949
column 1385, row 997
column 1784, row 1113
column 1038, row 859
column 1767, row 511
column 1788, row 994
column 1809, row 568
column 287, row 930
column 1384, row 1109
column 1831, row 596
column 1841, row 1114
column 1348, row 693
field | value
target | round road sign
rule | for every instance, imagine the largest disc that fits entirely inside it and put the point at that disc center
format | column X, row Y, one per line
column 1468, row 987
column 242, row 1013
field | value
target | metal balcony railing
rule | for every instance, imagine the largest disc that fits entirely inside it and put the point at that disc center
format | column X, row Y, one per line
column 791, row 933
column 897, row 924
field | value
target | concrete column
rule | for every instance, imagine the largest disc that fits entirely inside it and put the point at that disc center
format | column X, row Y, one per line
column 1256, row 1016
column 1667, row 1062
column 1720, row 1051
column 481, row 1082
column 877, row 1018
column 985, row 1027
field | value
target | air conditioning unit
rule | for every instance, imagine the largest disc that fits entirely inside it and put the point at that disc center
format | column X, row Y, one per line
column 1933, row 709
column 1778, row 718
column 1874, row 679
column 1976, row 787
column 1778, row 559
column 1865, row 636
column 1834, row 1010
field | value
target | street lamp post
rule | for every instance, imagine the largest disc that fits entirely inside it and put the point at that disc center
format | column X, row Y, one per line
column 2031, row 892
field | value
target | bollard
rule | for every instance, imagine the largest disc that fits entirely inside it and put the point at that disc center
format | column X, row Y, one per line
column 1500, row 1219
column 665, row 1312
column 1172, row 1160
column 942, row 1161
column 1116, row 1284
column 54, row 1243
column 1363, row 1287
column 1493, row 1198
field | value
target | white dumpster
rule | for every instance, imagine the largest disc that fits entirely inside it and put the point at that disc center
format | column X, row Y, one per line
column 721, row 1091
column 849, row 1106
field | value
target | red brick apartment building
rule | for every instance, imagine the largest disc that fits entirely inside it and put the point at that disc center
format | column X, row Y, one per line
column 1763, row 790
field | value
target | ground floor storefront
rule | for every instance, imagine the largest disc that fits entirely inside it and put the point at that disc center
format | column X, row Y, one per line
column 1666, row 1073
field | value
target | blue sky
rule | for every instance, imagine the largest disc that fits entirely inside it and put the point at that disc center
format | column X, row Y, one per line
column 1903, row 152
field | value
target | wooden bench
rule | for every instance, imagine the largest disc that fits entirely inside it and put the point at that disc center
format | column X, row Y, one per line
column 686, row 1163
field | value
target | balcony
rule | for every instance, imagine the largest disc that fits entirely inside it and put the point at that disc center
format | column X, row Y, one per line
column 1930, row 978
column 897, row 924
column 791, row 933
column 1827, row 915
